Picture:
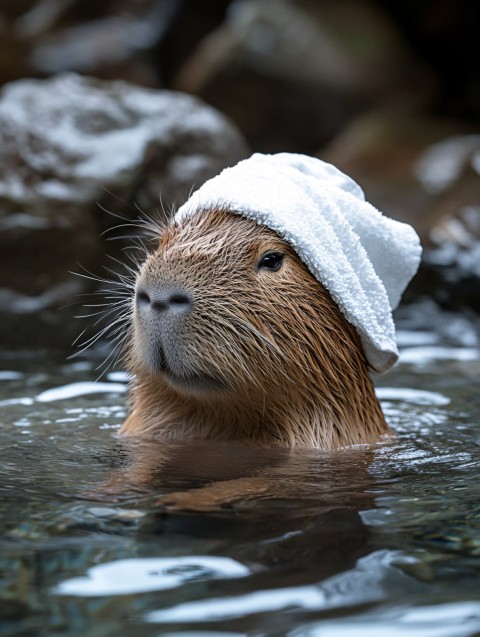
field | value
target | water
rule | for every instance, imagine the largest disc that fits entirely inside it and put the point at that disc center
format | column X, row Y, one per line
column 102, row 537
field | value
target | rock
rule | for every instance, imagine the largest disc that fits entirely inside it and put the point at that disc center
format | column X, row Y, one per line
column 71, row 147
column 110, row 46
column 426, row 172
column 113, row 40
column 144, row 42
column 292, row 74
column 451, row 171
column 380, row 150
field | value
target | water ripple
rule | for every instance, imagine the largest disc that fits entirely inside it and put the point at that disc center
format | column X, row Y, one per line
column 366, row 582
column 415, row 396
column 430, row 354
column 442, row 620
column 141, row 575
column 73, row 390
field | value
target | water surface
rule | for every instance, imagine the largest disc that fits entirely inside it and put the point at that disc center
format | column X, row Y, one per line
column 102, row 537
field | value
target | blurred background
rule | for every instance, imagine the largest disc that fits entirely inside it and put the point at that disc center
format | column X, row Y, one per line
column 111, row 108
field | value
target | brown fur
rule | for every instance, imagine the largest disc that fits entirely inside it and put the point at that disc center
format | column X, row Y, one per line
column 293, row 368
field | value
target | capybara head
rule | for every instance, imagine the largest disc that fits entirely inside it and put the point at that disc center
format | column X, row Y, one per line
column 232, row 337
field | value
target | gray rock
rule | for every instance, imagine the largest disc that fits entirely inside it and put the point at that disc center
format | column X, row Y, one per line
column 71, row 147
column 450, row 170
column 112, row 40
column 425, row 172
column 292, row 74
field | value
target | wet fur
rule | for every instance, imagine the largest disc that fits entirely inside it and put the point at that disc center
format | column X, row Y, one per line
column 293, row 367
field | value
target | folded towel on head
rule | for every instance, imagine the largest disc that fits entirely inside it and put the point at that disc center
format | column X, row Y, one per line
column 364, row 259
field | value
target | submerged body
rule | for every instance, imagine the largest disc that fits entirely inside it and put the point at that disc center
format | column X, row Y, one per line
column 233, row 338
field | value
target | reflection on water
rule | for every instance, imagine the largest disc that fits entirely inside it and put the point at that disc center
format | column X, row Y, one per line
column 149, row 574
column 105, row 537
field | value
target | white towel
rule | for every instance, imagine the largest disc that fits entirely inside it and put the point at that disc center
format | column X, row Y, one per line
column 365, row 260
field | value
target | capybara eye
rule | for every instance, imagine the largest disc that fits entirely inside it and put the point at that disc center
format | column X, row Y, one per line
column 271, row 261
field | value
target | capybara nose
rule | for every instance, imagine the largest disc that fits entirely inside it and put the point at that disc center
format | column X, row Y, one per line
column 163, row 298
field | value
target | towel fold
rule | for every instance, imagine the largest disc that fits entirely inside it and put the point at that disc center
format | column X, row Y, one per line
column 364, row 259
